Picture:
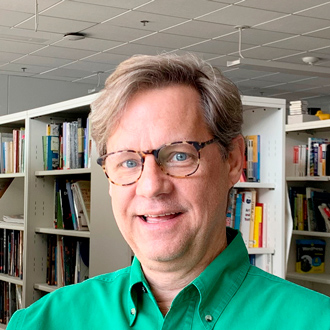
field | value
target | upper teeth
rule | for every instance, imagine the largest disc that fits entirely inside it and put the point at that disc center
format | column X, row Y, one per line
column 157, row 215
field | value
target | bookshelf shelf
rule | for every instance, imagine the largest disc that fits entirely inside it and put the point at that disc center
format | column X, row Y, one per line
column 312, row 125
column 63, row 232
column 11, row 279
column 63, row 172
column 308, row 178
column 255, row 185
column 11, row 175
column 10, row 225
column 310, row 233
column 261, row 250
column 45, row 287
column 315, row 278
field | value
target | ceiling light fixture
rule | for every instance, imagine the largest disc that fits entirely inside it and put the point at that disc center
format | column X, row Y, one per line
column 73, row 36
column 272, row 66
column 310, row 60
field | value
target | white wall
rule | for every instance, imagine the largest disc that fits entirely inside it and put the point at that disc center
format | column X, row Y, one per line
column 24, row 93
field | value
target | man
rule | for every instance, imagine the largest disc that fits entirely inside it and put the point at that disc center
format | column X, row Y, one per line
column 168, row 129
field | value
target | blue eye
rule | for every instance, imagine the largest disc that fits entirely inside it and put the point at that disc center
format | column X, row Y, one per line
column 180, row 156
column 130, row 163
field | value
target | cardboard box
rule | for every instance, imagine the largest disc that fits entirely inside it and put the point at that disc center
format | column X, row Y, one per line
column 296, row 119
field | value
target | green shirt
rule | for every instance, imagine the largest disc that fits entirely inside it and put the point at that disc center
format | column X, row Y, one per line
column 229, row 294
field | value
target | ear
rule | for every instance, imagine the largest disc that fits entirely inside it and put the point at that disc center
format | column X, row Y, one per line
column 236, row 160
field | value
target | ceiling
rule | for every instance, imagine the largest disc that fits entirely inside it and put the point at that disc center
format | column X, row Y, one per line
column 280, row 31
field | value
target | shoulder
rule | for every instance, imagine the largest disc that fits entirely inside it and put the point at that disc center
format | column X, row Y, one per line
column 283, row 292
column 66, row 301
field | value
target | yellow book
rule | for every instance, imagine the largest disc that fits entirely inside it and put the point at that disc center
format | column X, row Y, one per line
column 258, row 227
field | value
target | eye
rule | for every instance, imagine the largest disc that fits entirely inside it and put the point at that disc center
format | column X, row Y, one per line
column 130, row 163
column 180, row 156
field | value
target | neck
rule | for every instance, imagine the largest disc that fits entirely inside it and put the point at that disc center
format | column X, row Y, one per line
column 166, row 281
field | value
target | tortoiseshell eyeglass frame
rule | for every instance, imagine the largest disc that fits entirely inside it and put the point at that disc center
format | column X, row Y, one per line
column 155, row 152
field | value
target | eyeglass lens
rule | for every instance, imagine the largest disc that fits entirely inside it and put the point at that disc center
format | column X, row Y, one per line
column 180, row 160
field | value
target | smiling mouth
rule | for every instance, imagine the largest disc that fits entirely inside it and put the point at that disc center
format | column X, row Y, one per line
column 153, row 218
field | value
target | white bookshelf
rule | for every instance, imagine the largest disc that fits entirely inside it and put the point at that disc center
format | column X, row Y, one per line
column 298, row 134
column 34, row 193
column 266, row 117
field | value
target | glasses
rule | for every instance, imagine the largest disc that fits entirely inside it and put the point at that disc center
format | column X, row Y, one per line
column 177, row 159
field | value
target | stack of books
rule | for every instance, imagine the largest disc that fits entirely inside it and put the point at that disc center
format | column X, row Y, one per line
column 298, row 112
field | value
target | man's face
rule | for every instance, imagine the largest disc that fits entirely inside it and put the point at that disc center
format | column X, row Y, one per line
column 171, row 221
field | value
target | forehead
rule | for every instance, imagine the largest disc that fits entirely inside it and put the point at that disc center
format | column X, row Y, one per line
column 157, row 116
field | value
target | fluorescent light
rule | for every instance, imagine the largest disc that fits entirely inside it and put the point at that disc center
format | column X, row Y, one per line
column 271, row 66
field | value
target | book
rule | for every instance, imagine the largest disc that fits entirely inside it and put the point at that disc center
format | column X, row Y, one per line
column 71, row 203
column 82, row 194
column 246, row 216
column 50, row 152
column 238, row 211
column 252, row 220
column 258, row 222
column 318, row 198
column 310, row 255
column 253, row 158
column 312, row 155
column 4, row 137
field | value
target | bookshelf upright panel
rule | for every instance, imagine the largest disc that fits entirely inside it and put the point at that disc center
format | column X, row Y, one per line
column 266, row 117
column 13, row 202
column 298, row 134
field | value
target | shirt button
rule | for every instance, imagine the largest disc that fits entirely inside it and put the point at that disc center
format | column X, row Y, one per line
column 133, row 311
column 144, row 289
column 208, row 318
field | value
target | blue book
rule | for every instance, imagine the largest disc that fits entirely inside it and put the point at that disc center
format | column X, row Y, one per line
column 238, row 211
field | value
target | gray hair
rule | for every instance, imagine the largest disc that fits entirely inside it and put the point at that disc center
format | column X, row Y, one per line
column 220, row 98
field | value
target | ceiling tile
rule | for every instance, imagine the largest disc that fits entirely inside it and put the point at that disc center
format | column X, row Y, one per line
column 19, row 47
column 117, row 33
column 254, row 36
column 128, row 4
column 64, row 72
column 11, row 18
column 83, row 12
column 8, row 57
column 200, row 29
column 106, row 58
column 267, row 53
column 322, row 33
column 283, row 6
column 168, row 40
column 301, row 43
column 237, row 15
column 295, row 24
column 130, row 49
column 61, row 52
column 21, row 35
column 25, row 6
column 57, row 25
column 182, row 8
column 88, row 44
column 215, row 47
column 30, row 69
column 43, row 61
column 90, row 67
column 321, row 11
column 133, row 18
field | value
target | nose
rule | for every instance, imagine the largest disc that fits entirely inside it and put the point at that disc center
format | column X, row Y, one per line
column 153, row 181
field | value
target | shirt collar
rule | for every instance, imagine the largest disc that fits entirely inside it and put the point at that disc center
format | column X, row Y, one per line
column 219, row 282
column 216, row 285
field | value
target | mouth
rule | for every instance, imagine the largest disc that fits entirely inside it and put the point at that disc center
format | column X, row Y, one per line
column 159, row 218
